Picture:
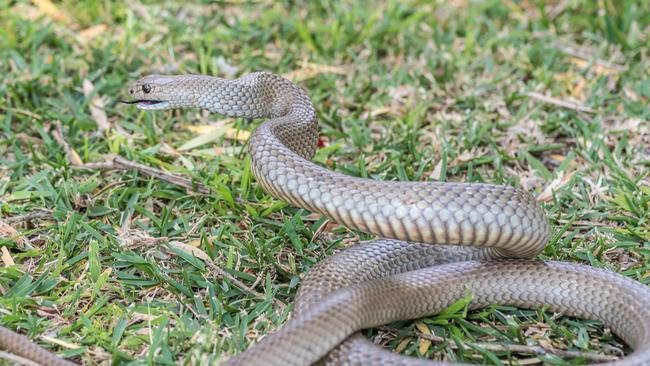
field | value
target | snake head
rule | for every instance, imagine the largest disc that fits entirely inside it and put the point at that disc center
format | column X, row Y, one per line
column 157, row 92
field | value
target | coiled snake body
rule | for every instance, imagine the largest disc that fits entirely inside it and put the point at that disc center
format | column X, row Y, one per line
column 487, row 235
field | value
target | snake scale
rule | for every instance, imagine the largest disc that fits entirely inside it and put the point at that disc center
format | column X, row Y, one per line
column 487, row 236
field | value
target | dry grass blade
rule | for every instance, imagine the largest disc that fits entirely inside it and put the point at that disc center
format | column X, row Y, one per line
column 96, row 106
column 73, row 157
column 60, row 342
column 560, row 103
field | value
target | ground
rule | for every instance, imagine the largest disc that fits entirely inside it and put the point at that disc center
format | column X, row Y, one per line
column 102, row 262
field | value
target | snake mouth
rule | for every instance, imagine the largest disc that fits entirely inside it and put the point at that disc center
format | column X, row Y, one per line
column 147, row 104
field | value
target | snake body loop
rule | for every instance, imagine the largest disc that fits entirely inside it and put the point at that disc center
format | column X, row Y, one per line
column 486, row 236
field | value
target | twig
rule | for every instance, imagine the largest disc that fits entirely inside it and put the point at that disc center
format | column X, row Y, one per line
column 120, row 163
column 99, row 166
column 560, row 103
column 159, row 174
column 36, row 215
column 518, row 348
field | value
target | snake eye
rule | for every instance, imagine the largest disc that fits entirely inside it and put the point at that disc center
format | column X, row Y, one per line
column 146, row 88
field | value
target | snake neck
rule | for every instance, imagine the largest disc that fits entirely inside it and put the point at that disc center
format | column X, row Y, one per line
column 256, row 95
column 293, row 121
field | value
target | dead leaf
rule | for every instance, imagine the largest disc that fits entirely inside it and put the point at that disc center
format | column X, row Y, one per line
column 402, row 92
column 96, row 106
column 538, row 331
column 598, row 68
column 201, row 129
column 168, row 150
column 402, row 345
column 423, row 344
column 219, row 151
column 8, row 232
column 92, row 32
column 212, row 132
column 75, row 159
column 310, row 70
column 237, row 134
column 437, row 171
column 48, row 8
column 557, row 158
column 630, row 94
column 138, row 238
column 26, row 11
column 556, row 184
column 466, row 156
column 574, row 83
column 422, row 328
column 376, row 112
column 622, row 257
column 630, row 124
column 203, row 139
column 6, row 257
column 190, row 250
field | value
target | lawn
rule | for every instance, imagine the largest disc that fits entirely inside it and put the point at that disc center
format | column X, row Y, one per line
column 104, row 262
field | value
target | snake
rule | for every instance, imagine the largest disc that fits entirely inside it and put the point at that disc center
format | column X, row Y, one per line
column 438, row 241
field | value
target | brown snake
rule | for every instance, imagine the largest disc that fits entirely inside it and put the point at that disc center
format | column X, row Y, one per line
column 489, row 233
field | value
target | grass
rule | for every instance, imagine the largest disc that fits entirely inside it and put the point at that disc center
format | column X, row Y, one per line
column 405, row 91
